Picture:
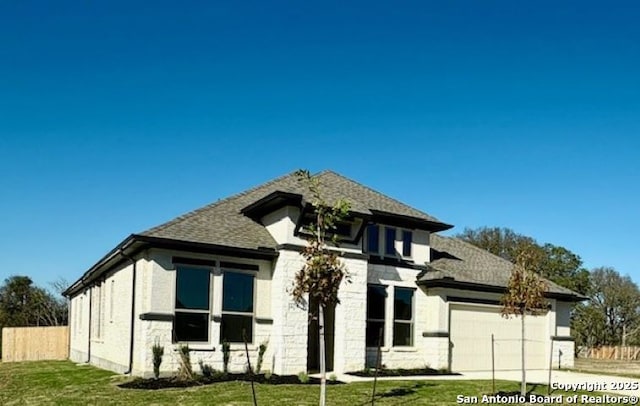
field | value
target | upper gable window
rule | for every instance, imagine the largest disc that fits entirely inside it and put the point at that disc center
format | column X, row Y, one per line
column 407, row 239
column 373, row 239
column 390, row 241
column 342, row 228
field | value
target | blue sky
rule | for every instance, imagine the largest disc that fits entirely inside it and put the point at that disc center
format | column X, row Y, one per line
column 115, row 117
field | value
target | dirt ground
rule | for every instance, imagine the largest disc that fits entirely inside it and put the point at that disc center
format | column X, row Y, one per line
column 608, row 366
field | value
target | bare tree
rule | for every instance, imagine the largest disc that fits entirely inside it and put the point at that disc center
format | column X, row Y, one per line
column 524, row 295
column 323, row 272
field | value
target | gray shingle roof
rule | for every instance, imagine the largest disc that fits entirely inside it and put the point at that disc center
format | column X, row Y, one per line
column 222, row 223
column 464, row 262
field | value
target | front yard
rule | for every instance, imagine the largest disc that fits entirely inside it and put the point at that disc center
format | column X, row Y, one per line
column 64, row 383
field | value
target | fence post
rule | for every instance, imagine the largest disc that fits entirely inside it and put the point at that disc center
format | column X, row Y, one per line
column 551, row 367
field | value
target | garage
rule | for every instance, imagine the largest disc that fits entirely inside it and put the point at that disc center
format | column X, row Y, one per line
column 470, row 329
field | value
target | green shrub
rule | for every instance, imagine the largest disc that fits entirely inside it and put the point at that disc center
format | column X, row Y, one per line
column 267, row 375
column 333, row 377
column 261, row 350
column 206, row 369
column 158, row 352
column 303, row 377
column 226, row 355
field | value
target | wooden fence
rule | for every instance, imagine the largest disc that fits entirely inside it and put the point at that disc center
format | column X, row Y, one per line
column 610, row 352
column 35, row 343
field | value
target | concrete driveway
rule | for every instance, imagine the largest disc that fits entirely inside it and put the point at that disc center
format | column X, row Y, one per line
column 564, row 380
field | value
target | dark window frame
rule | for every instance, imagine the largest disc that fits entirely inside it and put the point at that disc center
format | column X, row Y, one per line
column 367, row 241
column 374, row 320
column 407, row 243
column 410, row 322
column 390, row 245
column 235, row 314
column 186, row 312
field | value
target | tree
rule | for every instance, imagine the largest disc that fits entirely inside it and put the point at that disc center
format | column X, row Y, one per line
column 524, row 295
column 556, row 263
column 617, row 298
column 323, row 272
column 22, row 304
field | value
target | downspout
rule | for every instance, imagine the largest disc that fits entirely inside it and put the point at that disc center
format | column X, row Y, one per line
column 133, row 310
column 89, row 330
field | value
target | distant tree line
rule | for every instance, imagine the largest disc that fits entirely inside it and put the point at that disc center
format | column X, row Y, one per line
column 610, row 316
column 23, row 304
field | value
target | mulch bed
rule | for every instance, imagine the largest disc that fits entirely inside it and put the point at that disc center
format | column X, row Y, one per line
column 162, row 383
column 370, row 373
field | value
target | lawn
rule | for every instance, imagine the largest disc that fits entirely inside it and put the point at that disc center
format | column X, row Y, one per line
column 64, row 383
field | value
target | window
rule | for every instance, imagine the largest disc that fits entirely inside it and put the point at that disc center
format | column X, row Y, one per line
column 403, row 317
column 191, row 322
column 376, row 298
column 373, row 238
column 237, row 307
column 390, row 241
column 111, row 299
column 341, row 228
column 407, row 237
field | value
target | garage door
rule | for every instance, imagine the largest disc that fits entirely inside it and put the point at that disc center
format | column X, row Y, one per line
column 470, row 332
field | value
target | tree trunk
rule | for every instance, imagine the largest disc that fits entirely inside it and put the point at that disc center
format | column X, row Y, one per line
column 323, row 367
column 523, row 387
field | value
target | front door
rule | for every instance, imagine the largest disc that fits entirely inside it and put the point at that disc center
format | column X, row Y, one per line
column 313, row 340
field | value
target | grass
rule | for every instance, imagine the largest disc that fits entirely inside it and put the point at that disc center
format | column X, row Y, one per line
column 626, row 369
column 64, row 383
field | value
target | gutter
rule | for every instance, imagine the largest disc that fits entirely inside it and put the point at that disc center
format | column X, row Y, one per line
column 133, row 310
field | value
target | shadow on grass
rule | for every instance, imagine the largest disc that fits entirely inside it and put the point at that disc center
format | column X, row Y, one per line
column 398, row 392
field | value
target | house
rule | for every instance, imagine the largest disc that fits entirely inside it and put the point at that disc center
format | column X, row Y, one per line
column 226, row 269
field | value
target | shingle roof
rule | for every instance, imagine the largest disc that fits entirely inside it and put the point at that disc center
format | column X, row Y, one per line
column 464, row 262
column 222, row 222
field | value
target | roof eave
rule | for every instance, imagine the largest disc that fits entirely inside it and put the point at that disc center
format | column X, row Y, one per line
column 480, row 287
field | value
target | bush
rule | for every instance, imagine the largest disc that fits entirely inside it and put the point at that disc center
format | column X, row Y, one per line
column 333, row 377
column 185, row 371
column 158, row 352
column 267, row 374
column 261, row 350
column 206, row 369
column 303, row 377
column 226, row 355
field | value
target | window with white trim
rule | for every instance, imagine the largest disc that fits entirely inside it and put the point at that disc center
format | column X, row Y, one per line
column 376, row 304
column 237, row 306
column 192, row 306
column 403, row 316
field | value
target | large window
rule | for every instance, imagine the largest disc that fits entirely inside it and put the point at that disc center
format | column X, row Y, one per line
column 376, row 298
column 237, row 307
column 191, row 321
column 403, row 317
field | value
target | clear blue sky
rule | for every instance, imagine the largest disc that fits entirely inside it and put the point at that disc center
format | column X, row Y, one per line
column 115, row 117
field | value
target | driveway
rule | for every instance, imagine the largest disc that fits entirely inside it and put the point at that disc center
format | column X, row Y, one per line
column 559, row 379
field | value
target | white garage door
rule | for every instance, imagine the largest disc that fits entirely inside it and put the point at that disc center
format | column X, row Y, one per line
column 470, row 332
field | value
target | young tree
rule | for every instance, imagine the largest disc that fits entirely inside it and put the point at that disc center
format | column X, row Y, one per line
column 524, row 295
column 323, row 272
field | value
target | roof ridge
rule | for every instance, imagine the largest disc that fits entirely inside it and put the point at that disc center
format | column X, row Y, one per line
column 192, row 213
column 328, row 171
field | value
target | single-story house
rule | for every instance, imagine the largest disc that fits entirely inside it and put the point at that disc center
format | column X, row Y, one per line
column 228, row 268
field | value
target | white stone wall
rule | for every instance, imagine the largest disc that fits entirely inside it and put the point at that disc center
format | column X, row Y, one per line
column 350, row 319
column 563, row 354
column 290, row 323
